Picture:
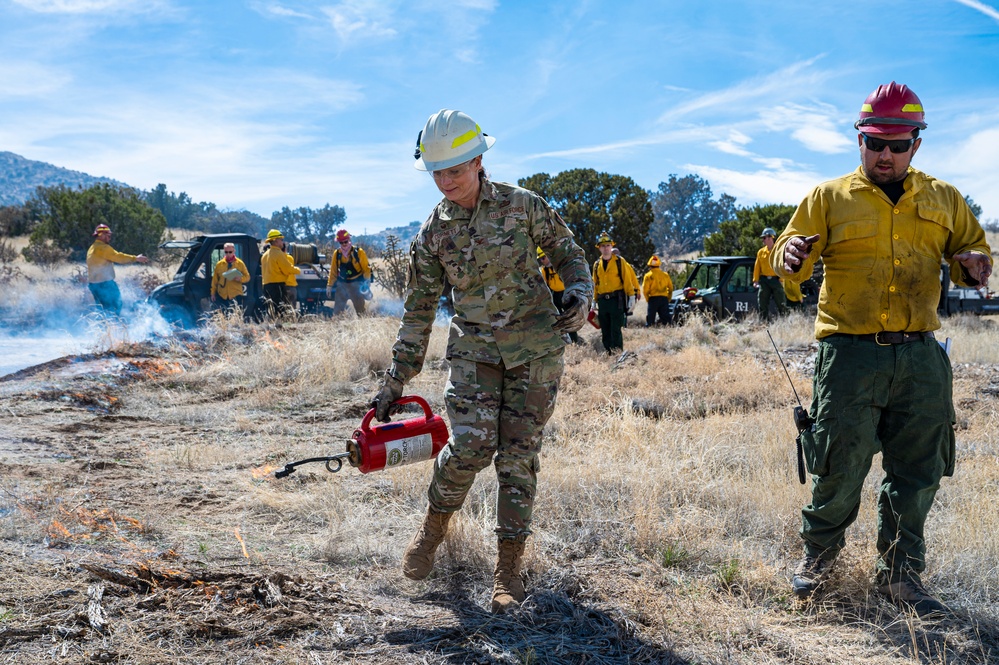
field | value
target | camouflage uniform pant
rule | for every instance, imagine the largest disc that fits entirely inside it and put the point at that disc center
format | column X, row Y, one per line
column 496, row 412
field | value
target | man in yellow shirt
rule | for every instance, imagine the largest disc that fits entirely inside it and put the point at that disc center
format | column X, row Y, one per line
column 792, row 293
column 350, row 275
column 556, row 286
column 291, row 284
column 275, row 270
column 614, row 284
column 766, row 280
column 657, row 287
column 101, row 258
column 882, row 382
column 227, row 287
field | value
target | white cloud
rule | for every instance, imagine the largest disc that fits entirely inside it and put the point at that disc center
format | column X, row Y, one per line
column 766, row 186
column 269, row 91
column 969, row 163
column 733, row 145
column 254, row 154
column 90, row 6
column 686, row 135
column 30, row 79
column 980, row 7
column 236, row 163
column 279, row 10
column 817, row 127
column 823, row 139
column 746, row 100
column 780, row 85
column 458, row 24
column 774, row 163
column 355, row 20
column 479, row 5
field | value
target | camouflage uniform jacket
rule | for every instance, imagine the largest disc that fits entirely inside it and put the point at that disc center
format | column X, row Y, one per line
column 503, row 309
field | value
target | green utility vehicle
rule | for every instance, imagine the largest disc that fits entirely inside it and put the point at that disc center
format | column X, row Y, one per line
column 186, row 300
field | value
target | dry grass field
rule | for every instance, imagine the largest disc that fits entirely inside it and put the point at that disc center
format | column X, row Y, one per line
column 140, row 521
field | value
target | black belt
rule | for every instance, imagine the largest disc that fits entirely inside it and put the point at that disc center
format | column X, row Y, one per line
column 888, row 338
column 612, row 294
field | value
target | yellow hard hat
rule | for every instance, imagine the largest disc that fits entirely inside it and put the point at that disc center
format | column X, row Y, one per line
column 274, row 233
column 541, row 252
column 604, row 239
column 654, row 261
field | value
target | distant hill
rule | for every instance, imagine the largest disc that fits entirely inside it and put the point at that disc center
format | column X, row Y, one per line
column 19, row 177
column 376, row 241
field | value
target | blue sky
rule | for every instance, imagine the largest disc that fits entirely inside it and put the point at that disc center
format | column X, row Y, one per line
column 259, row 104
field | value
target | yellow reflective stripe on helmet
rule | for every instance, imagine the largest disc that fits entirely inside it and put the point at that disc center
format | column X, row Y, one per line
column 912, row 108
column 867, row 108
column 466, row 137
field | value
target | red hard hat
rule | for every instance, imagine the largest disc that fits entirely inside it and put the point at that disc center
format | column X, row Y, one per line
column 101, row 228
column 342, row 235
column 891, row 109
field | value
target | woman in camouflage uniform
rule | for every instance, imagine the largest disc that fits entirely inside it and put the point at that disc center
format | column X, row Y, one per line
column 505, row 345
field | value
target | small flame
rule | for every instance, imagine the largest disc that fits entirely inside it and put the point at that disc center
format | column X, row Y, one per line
column 56, row 529
column 264, row 471
column 241, row 543
column 277, row 345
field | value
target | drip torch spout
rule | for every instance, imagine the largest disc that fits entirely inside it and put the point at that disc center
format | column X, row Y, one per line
column 329, row 461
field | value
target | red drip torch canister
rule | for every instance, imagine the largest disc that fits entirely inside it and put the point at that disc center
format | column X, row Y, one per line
column 388, row 445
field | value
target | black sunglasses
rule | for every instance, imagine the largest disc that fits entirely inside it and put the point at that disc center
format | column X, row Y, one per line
column 897, row 146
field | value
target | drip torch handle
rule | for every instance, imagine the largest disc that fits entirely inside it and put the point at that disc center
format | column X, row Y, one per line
column 408, row 399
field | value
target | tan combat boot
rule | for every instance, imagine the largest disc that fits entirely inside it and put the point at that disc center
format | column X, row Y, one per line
column 508, row 587
column 418, row 560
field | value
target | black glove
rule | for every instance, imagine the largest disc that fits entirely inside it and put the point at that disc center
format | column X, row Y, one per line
column 575, row 306
column 390, row 391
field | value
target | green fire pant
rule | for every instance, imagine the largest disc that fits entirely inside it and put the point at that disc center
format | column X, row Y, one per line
column 868, row 398
column 610, row 315
column 771, row 289
column 498, row 413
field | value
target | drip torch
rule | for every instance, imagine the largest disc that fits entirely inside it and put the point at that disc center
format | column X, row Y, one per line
column 386, row 445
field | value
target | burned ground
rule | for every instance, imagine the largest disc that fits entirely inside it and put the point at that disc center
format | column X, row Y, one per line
column 140, row 523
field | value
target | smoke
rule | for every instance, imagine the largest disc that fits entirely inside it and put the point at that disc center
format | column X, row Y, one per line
column 385, row 305
column 49, row 315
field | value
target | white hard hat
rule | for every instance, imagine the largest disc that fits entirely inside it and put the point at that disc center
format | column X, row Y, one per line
column 449, row 138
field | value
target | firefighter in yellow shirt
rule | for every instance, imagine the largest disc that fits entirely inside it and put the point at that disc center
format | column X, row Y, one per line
column 793, row 295
column 615, row 284
column 766, row 280
column 657, row 287
column 291, row 284
column 101, row 258
column 275, row 270
column 882, row 382
column 350, row 275
column 227, row 287
column 556, row 286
